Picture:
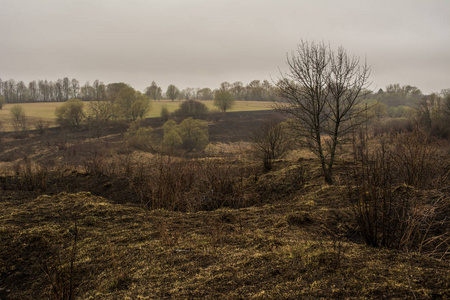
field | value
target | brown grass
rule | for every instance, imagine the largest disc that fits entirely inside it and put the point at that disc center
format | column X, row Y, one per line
column 292, row 237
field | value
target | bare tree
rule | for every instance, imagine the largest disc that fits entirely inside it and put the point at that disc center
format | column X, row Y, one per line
column 321, row 91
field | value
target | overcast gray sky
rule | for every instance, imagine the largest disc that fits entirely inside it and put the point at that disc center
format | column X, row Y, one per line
column 201, row 43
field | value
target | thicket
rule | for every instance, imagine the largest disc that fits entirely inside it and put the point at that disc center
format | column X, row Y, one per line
column 190, row 135
column 395, row 193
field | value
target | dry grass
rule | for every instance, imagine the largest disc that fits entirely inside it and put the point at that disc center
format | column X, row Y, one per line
column 252, row 253
column 298, row 240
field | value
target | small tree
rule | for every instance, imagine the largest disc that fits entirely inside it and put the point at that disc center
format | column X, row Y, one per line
column 192, row 108
column 19, row 119
column 194, row 134
column 71, row 113
column 321, row 92
column 271, row 142
column 224, row 100
column 172, row 92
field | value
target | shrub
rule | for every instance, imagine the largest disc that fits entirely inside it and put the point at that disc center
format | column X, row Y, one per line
column 40, row 125
column 172, row 140
column 70, row 114
column 191, row 135
column 141, row 138
column 192, row 108
column 270, row 142
column 390, row 208
column 194, row 134
column 187, row 185
column 165, row 113
column 19, row 119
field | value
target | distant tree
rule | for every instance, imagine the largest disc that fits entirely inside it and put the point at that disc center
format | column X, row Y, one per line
column 192, row 108
column 99, row 90
column 87, row 92
column 130, row 104
column 172, row 92
column 224, row 100
column 21, row 92
column 238, row 90
column 71, row 113
column 205, row 94
column 66, row 88
column 2, row 101
column 188, row 93
column 379, row 110
column 18, row 117
column 113, row 90
column 396, row 95
column 154, row 92
column 74, row 88
column 225, row 86
column 322, row 91
column 33, row 91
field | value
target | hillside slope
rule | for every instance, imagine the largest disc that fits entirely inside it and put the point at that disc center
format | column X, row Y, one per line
column 277, row 251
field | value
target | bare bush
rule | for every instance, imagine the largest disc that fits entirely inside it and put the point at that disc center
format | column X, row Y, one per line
column 41, row 126
column 175, row 183
column 32, row 176
column 391, row 207
column 192, row 185
column 271, row 142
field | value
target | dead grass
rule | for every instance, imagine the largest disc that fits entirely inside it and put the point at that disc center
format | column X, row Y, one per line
column 252, row 253
column 298, row 240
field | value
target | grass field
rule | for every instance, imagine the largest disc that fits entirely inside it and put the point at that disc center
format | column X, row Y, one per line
column 46, row 111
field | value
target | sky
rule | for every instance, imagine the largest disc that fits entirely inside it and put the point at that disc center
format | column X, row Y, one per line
column 201, row 43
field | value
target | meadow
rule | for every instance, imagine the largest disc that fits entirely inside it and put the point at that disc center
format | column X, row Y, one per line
column 46, row 110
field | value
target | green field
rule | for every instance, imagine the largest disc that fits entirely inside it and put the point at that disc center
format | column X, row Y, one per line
column 46, row 111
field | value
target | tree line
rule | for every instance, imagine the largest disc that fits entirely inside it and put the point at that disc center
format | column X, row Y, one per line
column 65, row 89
